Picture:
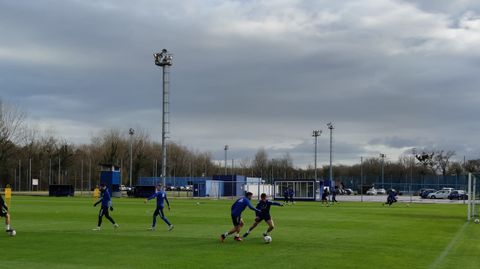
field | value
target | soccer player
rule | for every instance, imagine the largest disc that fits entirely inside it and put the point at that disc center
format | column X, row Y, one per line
column 391, row 197
column 334, row 195
column 161, row 198
column 106, row 202
column 285, row 196
column 264, row 206
column 290, row 195
column 325, row 196
column 4, row 214
column 236, row 211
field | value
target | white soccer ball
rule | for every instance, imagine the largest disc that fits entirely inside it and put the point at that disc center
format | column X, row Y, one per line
column 477, row 221
column 267, row 239
column 12, row 233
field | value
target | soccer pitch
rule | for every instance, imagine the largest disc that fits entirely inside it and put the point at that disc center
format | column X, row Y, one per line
column 57, row 233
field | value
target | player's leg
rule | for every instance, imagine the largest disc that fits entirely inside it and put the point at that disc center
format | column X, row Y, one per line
column 236, row 223
column 155, row 214
column 107, row 215
column 238, row 229
column 271, row 226
column 7, row 219
column 162, row 216
column 100, row 216
column 255, row 223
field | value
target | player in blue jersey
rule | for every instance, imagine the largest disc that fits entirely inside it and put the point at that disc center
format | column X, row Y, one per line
column 264, row 206
column 161, row 199
column 290, row 195
column 236, row 212
column 4, row 214
column 392, row 197
column 285, row 196
column 106, row 202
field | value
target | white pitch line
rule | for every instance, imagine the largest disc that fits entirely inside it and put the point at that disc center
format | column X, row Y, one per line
column 449, row 247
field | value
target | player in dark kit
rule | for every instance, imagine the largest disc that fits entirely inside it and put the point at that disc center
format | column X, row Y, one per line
column 237, row 208
column 285, row 196
column 161, row 197
column 4, row 214
column 264, row 214
column 290, row 195
column 391, row 197
column 106, row 202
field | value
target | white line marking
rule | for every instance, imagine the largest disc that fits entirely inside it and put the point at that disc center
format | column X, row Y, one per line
column 449, row 247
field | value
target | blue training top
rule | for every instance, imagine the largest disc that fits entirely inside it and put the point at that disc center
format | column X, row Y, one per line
column 161, row 196
column 106, row 198
column 240, row 205
column 264, row 206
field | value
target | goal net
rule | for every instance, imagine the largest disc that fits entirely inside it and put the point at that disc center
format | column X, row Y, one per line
column 473, row 193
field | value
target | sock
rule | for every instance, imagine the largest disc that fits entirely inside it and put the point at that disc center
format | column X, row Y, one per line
column 237, row 235
column 8, row 226
column 225, row 234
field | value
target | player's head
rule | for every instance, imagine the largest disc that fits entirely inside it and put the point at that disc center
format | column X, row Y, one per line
column 263, row 196
column 103, row 186
column 159, row 187
column 249, row 195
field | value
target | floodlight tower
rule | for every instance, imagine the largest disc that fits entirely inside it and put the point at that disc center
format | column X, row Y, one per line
column 131, row 132
column 382, row 155
column 164, row 60
column 226, row 149
column 316, row 134
column 330, row 127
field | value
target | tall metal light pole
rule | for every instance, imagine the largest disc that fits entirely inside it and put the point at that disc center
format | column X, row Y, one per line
column 382, row 155
column 131, row 132
column 226, row 149
column 330, row 127
column 164, row 60
column 316, row 134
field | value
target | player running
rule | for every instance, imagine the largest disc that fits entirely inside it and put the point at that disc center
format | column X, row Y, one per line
column 264, row 206
column 237, row 208
column 161, row 198
column 106, row 201
column 4, row 214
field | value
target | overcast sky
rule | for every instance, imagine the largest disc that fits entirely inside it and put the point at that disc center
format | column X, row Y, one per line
column 390, row 75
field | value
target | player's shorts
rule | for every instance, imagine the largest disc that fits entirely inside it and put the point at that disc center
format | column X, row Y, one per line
column 265, row 217
column 236, row 220
column 3, row 213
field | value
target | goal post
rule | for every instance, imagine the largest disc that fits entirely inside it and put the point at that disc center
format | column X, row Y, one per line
column 473, row 197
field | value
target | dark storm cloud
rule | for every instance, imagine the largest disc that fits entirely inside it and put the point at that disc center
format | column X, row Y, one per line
column 251, row 74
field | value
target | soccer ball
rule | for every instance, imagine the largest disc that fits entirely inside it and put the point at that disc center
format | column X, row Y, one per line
column 12, row 233
column 267, row 239
column 477, row 221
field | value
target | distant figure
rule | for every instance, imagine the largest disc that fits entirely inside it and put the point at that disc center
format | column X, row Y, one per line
column 236, row 212
column 263, row 205
column 334, row 195
column 325, row 196
column 4, row 214
column 285, row 196
column 391, row 198
column 290, row 195
column 161, row 197
column 106, row 201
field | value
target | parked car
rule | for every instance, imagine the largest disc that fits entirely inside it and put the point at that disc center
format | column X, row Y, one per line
column 441, row 194
column 371, row 191
column 458, row 195
column 381, row 191
column 348, row 191
column 448, row 189
column 426, row 192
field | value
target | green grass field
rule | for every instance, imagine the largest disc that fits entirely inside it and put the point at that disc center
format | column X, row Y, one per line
column 57, row 233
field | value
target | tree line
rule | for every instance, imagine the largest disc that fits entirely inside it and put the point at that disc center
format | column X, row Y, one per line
column 27, row 153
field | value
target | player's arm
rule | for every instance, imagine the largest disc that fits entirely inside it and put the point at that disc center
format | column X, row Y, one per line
column 251, row 206
column 275, row 203
column 150, row 198
column 98, row 202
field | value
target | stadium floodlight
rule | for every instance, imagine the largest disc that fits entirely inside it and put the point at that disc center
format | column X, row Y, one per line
column 226, row 149
column 316, row 134
column 330, row 127
column 131, row 132
column 382, row 156
column 164, row 59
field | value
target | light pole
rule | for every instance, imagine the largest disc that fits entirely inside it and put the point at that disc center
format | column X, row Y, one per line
column 164, row 60
column 330, row 127
column 382, row 155
column 226, row 149
column 131, row 132
column 316, row 134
